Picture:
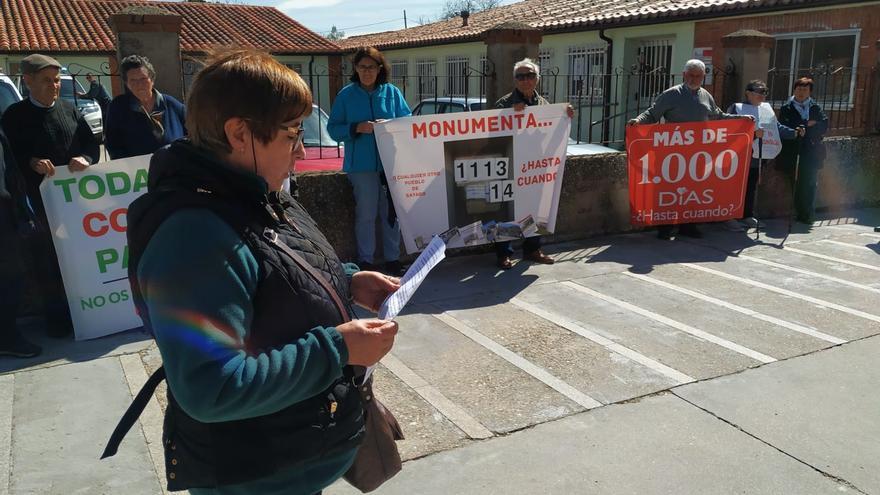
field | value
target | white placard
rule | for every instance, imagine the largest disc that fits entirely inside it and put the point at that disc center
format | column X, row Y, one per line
column 449, row 171
column 87, row 214
column 765, row 118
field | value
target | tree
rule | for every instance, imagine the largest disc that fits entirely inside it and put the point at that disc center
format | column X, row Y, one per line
column 453, row 8
column 335, row 34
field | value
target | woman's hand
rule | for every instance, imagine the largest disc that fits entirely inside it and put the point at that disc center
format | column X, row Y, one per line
column 365, row 127
column 369, row 289
column 759, row 133
column 367, row 340
column 811, row 123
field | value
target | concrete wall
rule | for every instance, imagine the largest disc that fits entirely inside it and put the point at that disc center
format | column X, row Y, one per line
column 595, row 196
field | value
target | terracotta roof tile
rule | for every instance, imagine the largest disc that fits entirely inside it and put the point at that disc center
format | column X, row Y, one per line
column 83, row 26
column 565, row 15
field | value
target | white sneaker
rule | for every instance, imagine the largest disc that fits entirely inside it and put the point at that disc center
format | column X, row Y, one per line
column 752, row 222
column 733, row 226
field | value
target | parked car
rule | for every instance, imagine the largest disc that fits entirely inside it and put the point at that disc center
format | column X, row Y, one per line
column 322, row 152
column 448, row 104
column 8, row 93
column 88, row 107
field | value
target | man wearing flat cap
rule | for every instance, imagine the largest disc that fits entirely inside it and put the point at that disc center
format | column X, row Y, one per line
column 45, row 132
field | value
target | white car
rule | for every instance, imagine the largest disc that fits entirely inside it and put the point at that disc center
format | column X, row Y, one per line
column 8, row 93
column 448, row 104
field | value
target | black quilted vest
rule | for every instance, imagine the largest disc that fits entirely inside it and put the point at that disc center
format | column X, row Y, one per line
column 287, row 304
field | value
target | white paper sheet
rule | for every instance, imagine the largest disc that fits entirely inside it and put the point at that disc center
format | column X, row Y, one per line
column 393, row 304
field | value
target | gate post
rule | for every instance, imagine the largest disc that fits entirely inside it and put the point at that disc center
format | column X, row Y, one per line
column 507, row 44
column 155, row 34
column 749, row 54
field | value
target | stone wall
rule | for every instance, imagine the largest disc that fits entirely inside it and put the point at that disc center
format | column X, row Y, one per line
column 595, row 196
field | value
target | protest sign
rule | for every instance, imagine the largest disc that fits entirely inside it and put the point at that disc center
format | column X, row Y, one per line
column 87, row 214
column 475, row 177
column 688, row 172
column 765, row 119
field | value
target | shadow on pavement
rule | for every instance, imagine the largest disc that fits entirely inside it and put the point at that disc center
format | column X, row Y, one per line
column 66, row 350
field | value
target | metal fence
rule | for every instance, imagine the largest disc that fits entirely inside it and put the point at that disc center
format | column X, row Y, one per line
column 603, row 102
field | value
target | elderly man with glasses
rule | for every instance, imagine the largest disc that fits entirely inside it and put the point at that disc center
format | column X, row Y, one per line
column 685, row 102
column 526, row 74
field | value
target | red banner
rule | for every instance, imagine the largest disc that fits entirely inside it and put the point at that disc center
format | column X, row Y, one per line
column 688, row 172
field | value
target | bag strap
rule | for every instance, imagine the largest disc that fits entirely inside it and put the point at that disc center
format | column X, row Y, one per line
column 272, row 236
column 133, row 412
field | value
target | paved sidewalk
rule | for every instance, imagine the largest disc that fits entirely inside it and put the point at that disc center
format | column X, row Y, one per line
column 632, row 365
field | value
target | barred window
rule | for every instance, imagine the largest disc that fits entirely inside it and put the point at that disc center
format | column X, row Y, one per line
column 828, row 57
column 654, row 58
column 456, row 75
column 398, row 74
column 585, row 68
column 426, row 72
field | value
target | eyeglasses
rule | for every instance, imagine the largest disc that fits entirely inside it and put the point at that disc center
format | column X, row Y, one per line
column 294, row 133
column 368, row 68
column 522, row 76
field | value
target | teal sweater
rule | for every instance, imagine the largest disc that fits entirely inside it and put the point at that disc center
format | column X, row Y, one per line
column 354, row 105
column 198, row 279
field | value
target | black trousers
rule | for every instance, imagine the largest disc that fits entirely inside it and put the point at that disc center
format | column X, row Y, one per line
column 48, row 277
column 11, row 273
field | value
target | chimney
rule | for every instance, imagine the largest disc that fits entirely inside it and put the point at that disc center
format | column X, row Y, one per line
column 464, row 18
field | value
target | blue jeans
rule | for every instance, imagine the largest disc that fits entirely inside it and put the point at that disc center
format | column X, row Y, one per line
column 370, row 199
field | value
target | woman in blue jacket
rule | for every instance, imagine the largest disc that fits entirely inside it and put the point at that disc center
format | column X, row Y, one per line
column 803, row 158
column 369, row 99
column 142, row 120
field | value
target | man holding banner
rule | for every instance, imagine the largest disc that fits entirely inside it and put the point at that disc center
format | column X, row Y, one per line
column 46, row 132
column 691, row 195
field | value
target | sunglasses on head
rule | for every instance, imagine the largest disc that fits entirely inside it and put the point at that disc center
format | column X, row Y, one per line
column 522, row 76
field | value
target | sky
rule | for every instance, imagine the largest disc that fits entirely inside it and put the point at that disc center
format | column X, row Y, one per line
column 356, row 16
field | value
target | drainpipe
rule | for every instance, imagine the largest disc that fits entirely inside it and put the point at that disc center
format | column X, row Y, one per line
column 311, row 71
column 606, row 94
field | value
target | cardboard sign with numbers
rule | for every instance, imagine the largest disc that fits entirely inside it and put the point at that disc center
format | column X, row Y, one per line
column 689, row 172
column 475, row 177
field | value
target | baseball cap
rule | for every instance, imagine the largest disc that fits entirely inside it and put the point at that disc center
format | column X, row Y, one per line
column 36, row 62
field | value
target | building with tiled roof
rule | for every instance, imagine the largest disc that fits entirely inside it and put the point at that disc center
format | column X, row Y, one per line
column 79, row 35
column 81, row 26
column 610, row 58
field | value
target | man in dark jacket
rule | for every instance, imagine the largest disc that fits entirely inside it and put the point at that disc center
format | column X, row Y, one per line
column 45, row 132
column 98, row 93
column 526, row 74
column 16, row 220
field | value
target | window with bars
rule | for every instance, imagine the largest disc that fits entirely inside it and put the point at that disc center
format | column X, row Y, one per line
column 426, row 73
column 398, row 74
column 654, row 69
column 829, row 58
column 585, row 73
column 456, row 76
